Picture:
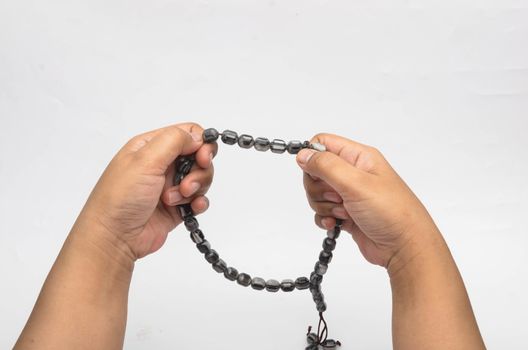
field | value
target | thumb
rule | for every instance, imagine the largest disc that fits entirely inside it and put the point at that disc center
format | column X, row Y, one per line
column 163, row 149
column 342, row 176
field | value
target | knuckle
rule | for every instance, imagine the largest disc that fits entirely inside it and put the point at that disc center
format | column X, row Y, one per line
column 175, row 132
column 375, row 158
column 176, row 138
column 194, row 126
column 374, row 151
column 134, row 139
column 189, row 126
column 135, row 143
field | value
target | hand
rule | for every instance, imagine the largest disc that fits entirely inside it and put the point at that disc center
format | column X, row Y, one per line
column 134, row 200
column 355, row 183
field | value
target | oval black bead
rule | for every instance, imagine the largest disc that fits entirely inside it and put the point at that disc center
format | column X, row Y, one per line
column 315, row 288
column 318, row 298
column 320, row 268
column 204, row 246
column 278, row 146
column 191, row 224
column 329, row 344
column 272, row 285
column 220, row 266
column 321, row 306
column 294, row 147
column 317, row 293
column 212, row 256
column 315, row 279
column 302, row 283
column 177, row 178
column 262, row 144
column 210, row 135
column 334, row 233
column 287, row 285
column 258, row 283
column 197, row 236
column 185, row 166
column 244, row 279
column 231, row 273
column 245, row 141
column 185, row 210
column 325, row 257
column 312, row 338
column 229, row 137
column 329, row 244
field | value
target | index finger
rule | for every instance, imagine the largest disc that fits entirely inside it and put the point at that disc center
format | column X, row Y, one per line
column 139, row 141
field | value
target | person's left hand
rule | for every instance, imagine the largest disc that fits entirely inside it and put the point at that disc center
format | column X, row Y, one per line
column 134, row 200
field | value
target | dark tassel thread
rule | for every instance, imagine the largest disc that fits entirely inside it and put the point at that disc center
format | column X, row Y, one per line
column 322, row 335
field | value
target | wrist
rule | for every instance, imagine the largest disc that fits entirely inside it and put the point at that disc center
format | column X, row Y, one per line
column 421, row 250
column 103, row 246
column 85, row 295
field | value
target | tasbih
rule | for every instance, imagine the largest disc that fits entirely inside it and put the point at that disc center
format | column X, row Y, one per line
column 183, row 166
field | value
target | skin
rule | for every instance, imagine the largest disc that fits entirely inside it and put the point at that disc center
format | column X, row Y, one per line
column 354, row 182
column 83, row 303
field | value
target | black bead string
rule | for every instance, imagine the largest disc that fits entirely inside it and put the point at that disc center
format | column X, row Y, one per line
column 183, row 166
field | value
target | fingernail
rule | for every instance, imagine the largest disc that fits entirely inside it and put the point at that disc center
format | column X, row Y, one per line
column 197, row 136
column 210, row 158
column 340, row 212
column 194, row 186
column 305, row 155
column 175, row 196
column 332, row 197
column 326, row 222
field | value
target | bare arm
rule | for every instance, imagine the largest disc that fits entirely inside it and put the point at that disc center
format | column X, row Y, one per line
column 83, row 303
column 431, row 308
column 354, row 182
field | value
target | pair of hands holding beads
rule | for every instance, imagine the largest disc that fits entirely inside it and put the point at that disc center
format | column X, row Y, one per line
column 135, row 200
column 133, row 207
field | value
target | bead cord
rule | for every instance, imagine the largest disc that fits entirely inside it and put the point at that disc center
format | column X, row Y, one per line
column 183, row 166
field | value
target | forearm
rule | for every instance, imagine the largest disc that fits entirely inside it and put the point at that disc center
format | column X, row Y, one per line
column 431, row 308
column 83, row 303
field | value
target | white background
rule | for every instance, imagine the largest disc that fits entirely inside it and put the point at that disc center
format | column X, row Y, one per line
column 441, row 87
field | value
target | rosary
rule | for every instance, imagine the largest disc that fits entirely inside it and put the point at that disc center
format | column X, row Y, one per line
column 313, row 283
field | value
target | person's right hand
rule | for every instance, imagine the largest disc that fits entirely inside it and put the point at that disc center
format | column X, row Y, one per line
column 355, row 183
